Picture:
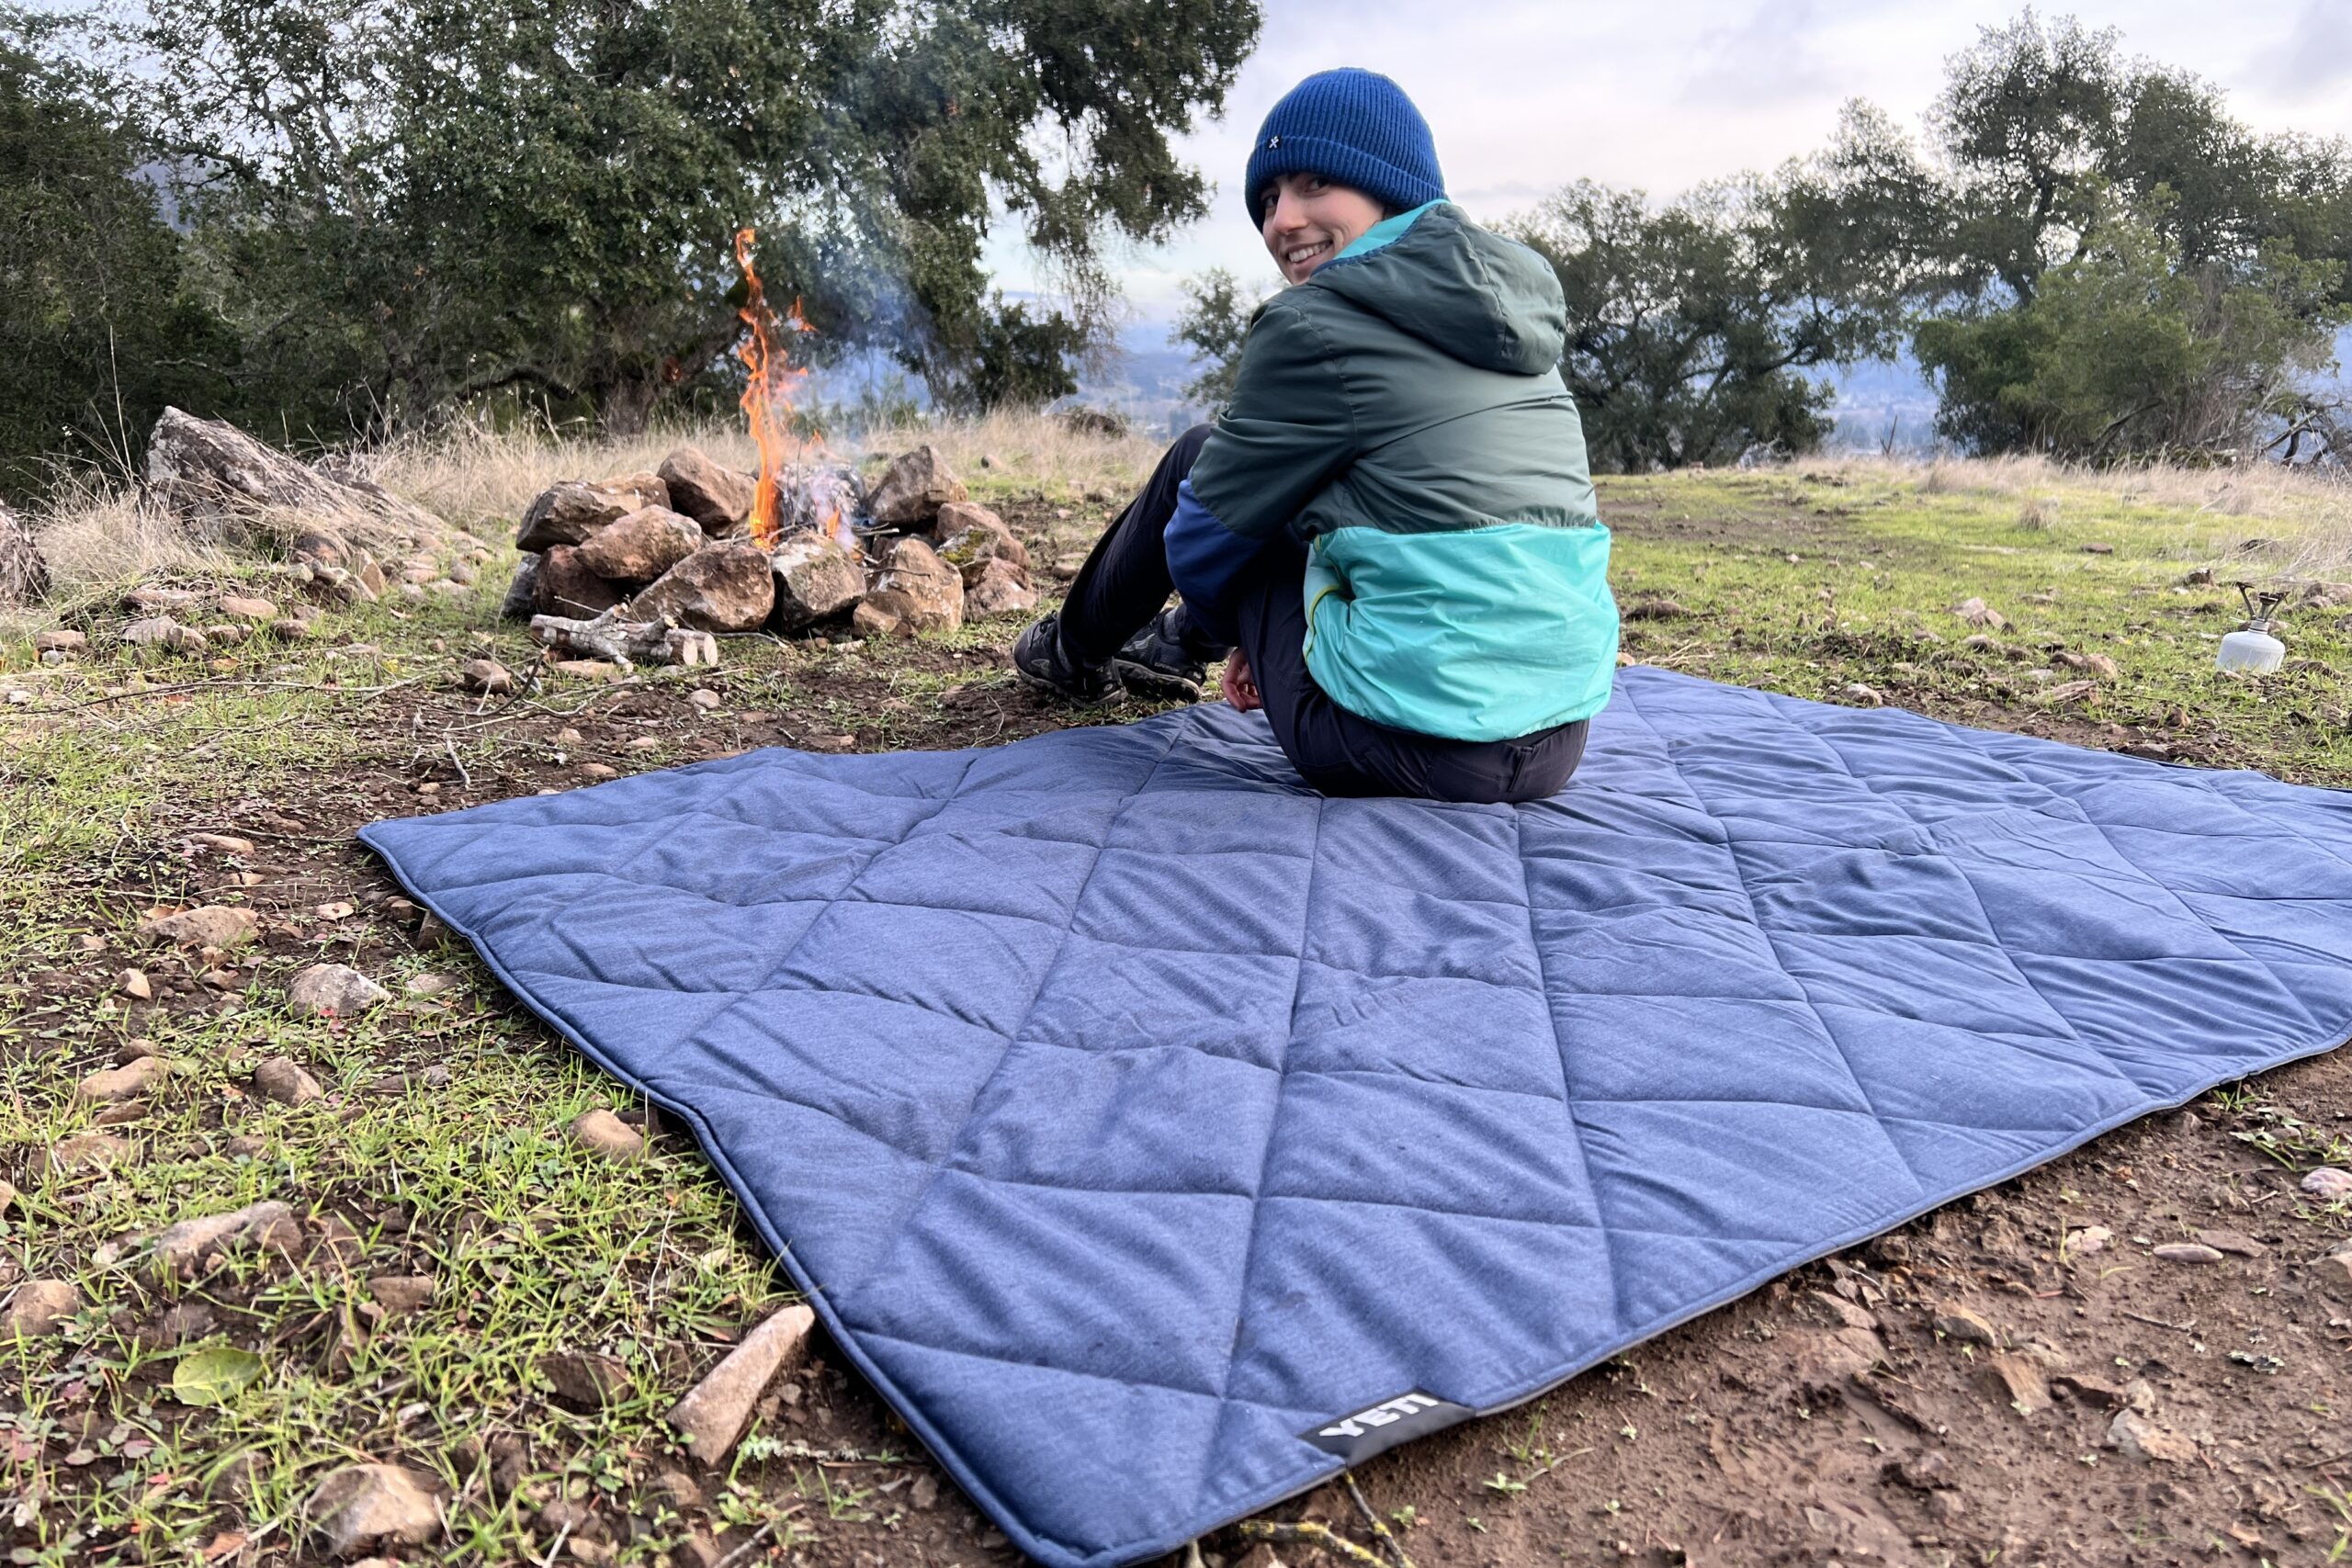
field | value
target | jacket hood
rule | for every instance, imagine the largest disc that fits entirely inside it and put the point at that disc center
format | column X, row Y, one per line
column 1480, row 297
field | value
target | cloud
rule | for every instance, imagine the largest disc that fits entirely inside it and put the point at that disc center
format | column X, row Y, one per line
column 1769, row 56
column 2314, row 56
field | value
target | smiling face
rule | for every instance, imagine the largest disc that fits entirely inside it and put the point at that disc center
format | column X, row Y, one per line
column 1309, row 219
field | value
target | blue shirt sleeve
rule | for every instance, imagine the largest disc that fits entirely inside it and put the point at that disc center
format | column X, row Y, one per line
column 1206, row 559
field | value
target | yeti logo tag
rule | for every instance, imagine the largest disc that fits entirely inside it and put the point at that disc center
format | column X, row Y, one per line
column 1384, row 1426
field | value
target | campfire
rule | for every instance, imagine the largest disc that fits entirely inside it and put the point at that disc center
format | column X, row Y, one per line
column 654, row 566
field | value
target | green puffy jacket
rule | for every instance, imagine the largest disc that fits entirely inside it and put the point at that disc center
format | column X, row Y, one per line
column 1401, row 413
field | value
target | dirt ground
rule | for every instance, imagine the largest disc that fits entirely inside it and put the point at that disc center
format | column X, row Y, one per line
column 2015, row 1379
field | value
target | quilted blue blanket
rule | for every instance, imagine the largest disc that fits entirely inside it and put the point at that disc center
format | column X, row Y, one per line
column 1160, row 1137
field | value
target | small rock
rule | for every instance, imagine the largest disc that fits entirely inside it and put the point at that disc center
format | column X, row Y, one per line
column 2188, row 1252
column 134, row 983
column 432, row 983
column 644, row 743
column 399, row 1294
column 590, row 669
column 2333, row 1274
column 126, row 1082
column 62, row 639
column 2236, row 1244
column 1825, row 1360
column 487, row 676
column 1838, row 1310
column 333, row 990
column 583, row 1380
column 2328, row 1183
column 1963, row 1327
column 99, row 1150
column 209, row 925
column 2141, row 1439
column 1657, row 610
column 361, row 1507
column 283, row 1080
column 1868, row 696
column 1976, row 613
column 2021, row 1381
column 2088, row 1241
column 714, row 1414
column 180, row 1249
column 705, row 699
column 2098, row 549
column 599, row 772
column 224, row 844
column 286, row 628
column 610, row 1136
column 2097, row 664
column 1067, row 569
column 247, row 609
column 38, row 1308
column 881, row 615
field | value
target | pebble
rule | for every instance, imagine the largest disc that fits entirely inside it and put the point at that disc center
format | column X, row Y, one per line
column 2188, row 1252
column 590, row 669
column 610, row 1136
column 209, row 925
column 337, row 910
column 705, row 699
column 283, row 1080
column 2334, row 1275
column 487, row 676
column 644, row 743
column 1963, row 1327
column 714, row 1414
column 333, row 990
column 100, row 1149
column 2141, row 1439
column 2090, row 1239
column 2022, row 1380
column 1845, row 1314
column 2237, row 1244
column 133, row 983
column 399, row 1294
column 181, row 1248
column 599, row 772
column 2328, row 1182
column 39, row 1306
column 1868, row 696
column 363, row 1506
column 432, row 983
column 247, row 609
column 583, row 1380
column 126, row 1082
column 60, row 639
column 569, row 737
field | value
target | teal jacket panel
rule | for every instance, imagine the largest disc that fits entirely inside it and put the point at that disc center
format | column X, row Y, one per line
column 1401, row 411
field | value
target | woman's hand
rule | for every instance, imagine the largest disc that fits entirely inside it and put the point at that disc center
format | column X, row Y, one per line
column 1240, row 686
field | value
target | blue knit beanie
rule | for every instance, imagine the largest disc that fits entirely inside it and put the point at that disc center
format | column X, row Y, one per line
column 1352, row 126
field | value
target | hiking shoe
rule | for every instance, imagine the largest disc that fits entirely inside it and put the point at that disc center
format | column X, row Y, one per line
column 1154, row 664
column 1039, row 659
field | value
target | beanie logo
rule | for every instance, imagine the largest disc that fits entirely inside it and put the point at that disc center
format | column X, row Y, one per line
column 1273, row 142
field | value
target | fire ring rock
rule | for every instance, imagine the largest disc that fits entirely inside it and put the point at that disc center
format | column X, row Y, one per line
column 723, row 587
column 717, row 497
column 934, row 589
column 568, row 512
column 641, row 546
column 814, row 578
column 563, row 586
column 914, row 488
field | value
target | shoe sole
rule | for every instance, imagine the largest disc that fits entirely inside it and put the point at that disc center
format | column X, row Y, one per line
column 1044, row 687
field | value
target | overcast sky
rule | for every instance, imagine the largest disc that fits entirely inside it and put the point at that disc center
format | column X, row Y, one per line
column 1664, row 94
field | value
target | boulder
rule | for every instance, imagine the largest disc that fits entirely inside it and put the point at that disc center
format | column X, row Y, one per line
column 722, row 587
column 24, row 575
column 815, row 577
column 567, row 512
column 641, row 546
column 717, row 497
column 914, row 488
column 365, row 1507
column 215, row 481
column 564, row 586
column 932, row 589
column 1000, row 589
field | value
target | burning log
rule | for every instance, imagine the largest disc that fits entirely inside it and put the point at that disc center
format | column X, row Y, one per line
column 626, row 643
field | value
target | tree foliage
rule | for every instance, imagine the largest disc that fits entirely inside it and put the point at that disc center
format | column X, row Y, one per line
column 98, row 323
column 1213, row 321
column 407, row 203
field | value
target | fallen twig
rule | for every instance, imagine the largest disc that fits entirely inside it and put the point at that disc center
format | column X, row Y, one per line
column 2189, row 1327
column 248, row 685
column 744, row 1551
column 1380, row 1531
column 1309, row 1533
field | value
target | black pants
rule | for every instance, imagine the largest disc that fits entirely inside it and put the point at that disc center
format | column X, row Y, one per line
column 1124, row 582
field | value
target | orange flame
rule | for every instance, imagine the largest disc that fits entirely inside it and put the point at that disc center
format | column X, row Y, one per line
column 767, row 392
